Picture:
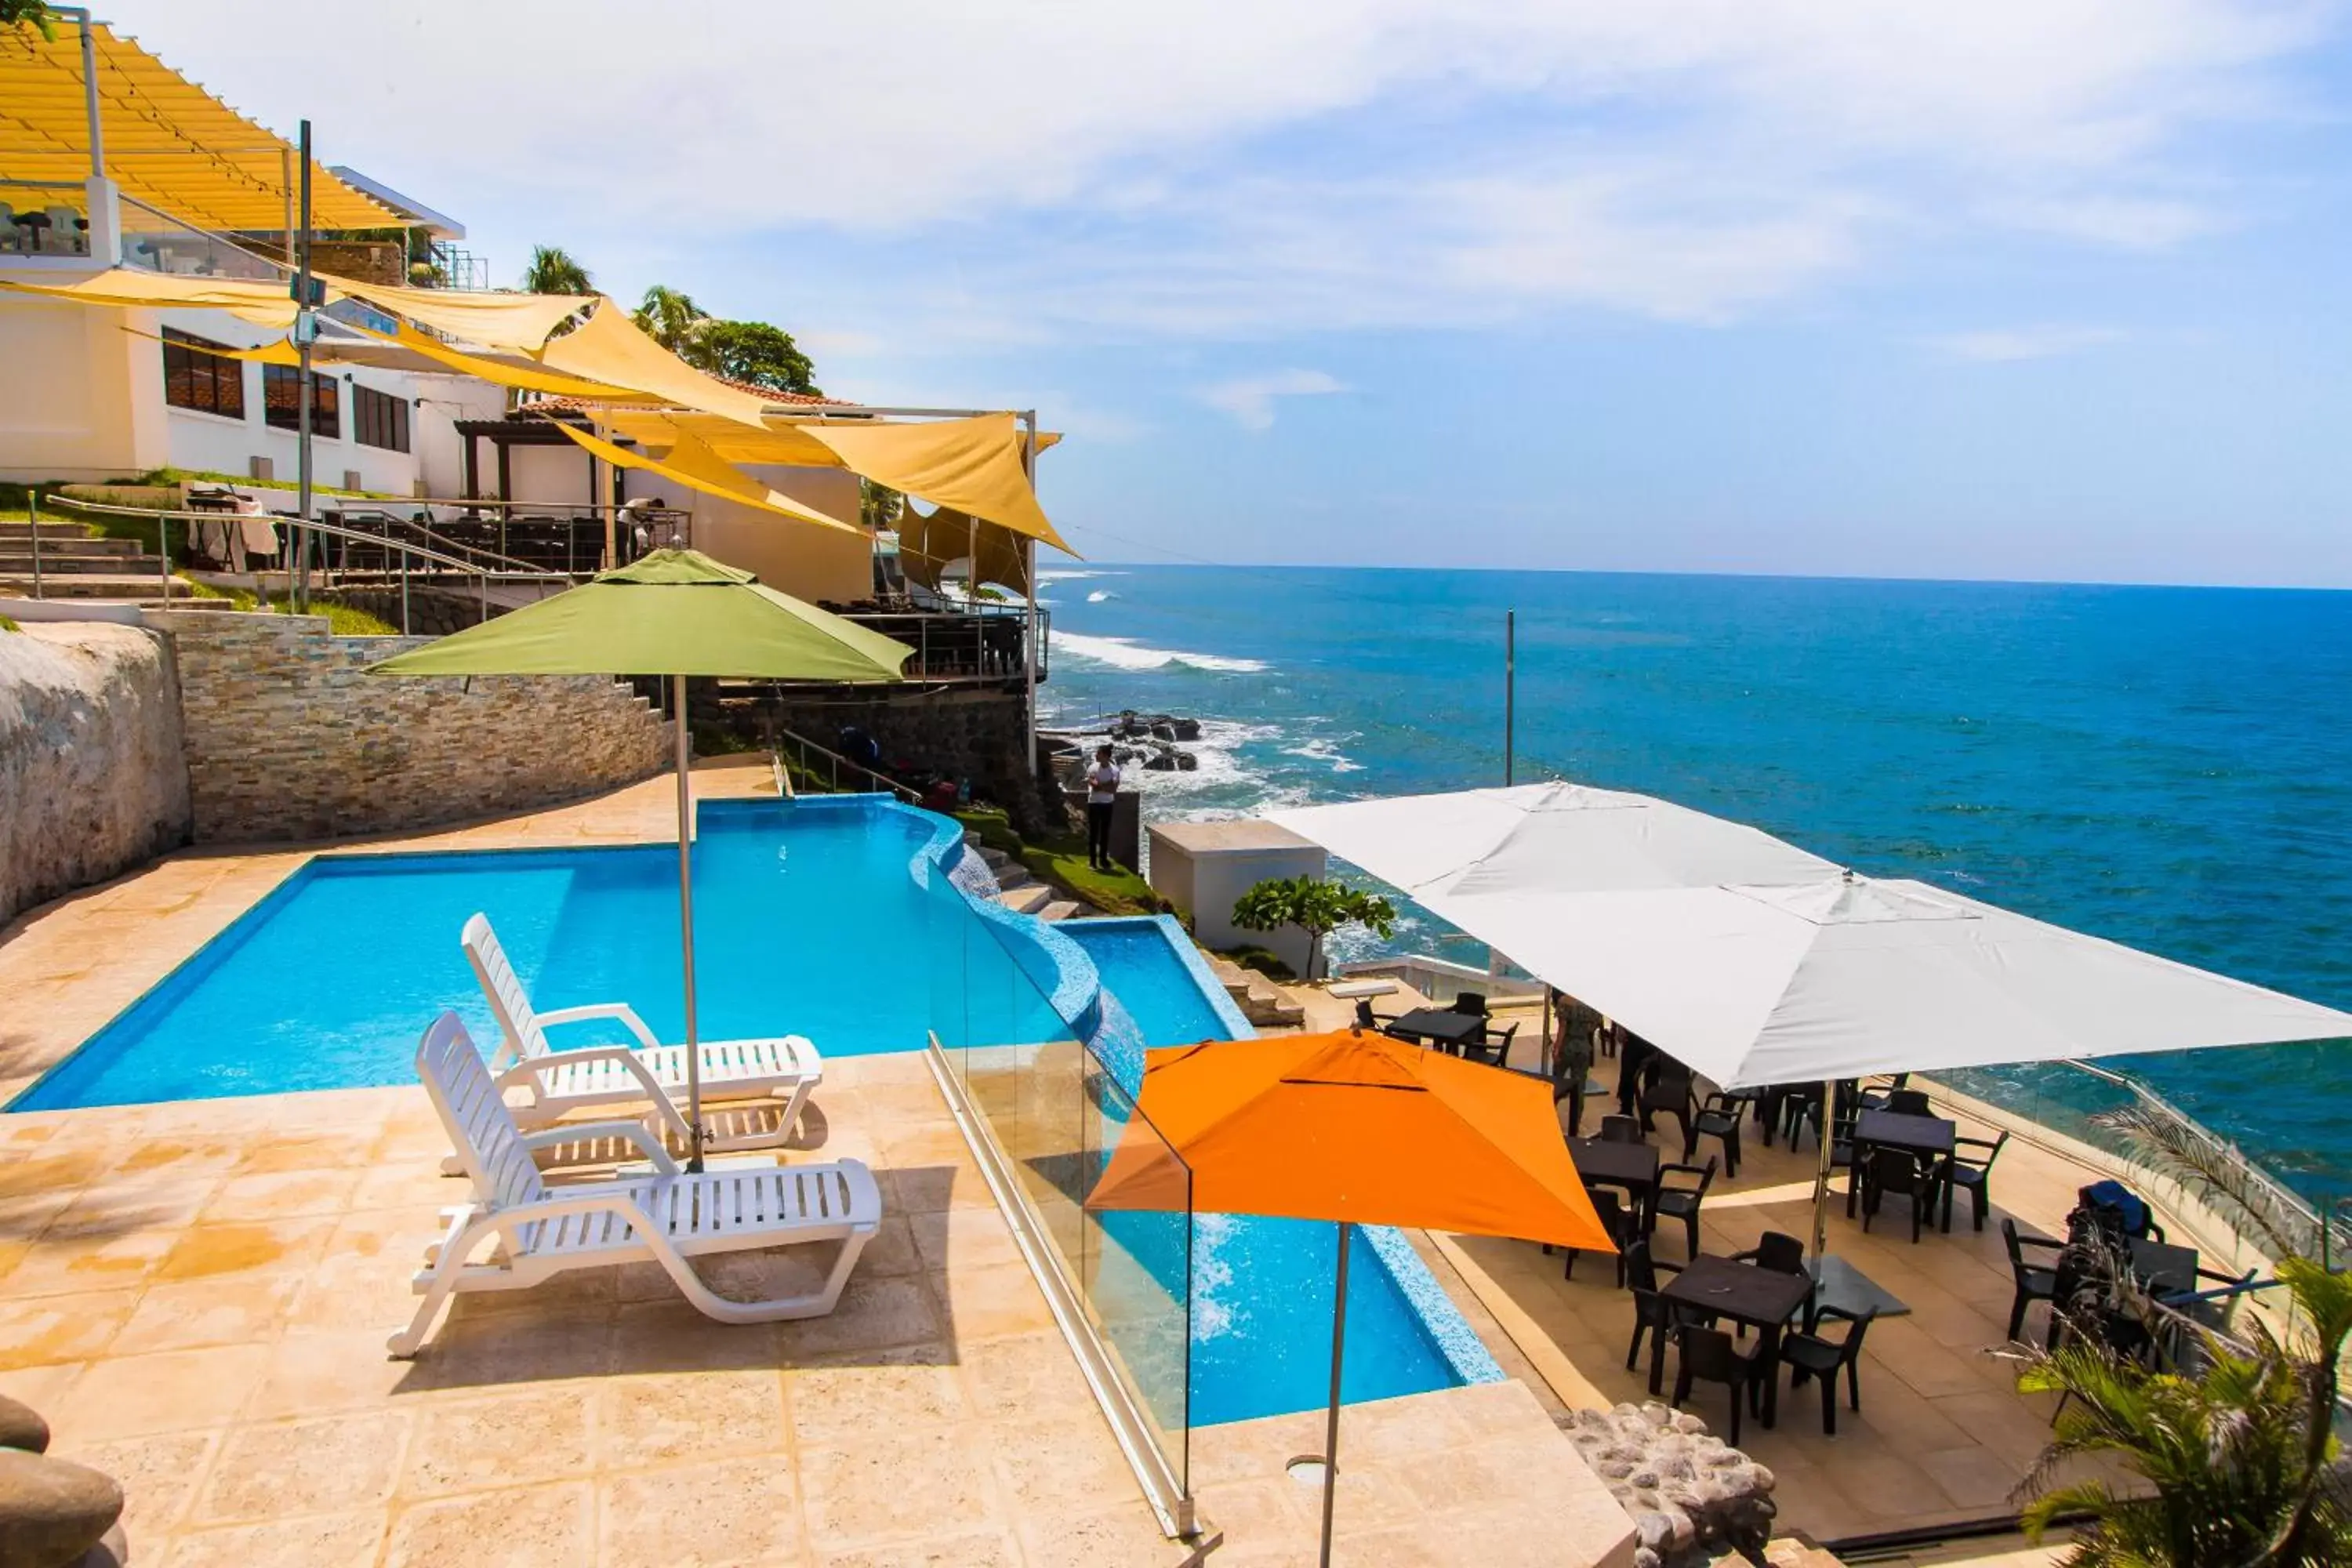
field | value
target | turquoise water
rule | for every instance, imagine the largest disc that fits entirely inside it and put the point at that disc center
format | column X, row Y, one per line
column 2170, row 768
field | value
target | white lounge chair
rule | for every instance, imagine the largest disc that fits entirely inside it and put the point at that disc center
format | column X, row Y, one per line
column 561, row 1082
column 668, row 1217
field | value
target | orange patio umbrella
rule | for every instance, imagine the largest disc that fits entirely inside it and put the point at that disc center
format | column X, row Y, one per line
column 1358, row 1128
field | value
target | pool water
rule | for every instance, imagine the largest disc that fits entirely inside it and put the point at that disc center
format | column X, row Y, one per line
column 328, row 982
column 806, row 921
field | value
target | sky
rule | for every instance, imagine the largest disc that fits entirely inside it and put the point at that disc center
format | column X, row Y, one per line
column 2013, row 288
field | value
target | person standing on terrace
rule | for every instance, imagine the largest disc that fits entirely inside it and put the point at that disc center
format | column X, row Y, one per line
column 1102, row 794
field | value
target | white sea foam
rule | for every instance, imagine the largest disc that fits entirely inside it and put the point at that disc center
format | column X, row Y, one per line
column 1125, row 653
column 1099, row 595
column 1321, row 748
column 1072, row 574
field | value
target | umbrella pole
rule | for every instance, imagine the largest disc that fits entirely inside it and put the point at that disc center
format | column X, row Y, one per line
column 686, row 921
column 1821, row 1177
column 1331, row 1423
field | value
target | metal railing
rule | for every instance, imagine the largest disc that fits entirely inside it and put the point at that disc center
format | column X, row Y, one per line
column 982, row 644
column 45, row 217
column 414, row 560
column 155, row 241
column 834, row 768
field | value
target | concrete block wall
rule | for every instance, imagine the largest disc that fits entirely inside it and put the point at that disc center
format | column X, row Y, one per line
column 287, row 739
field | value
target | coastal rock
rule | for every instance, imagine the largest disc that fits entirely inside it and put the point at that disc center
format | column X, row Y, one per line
column 22, row 1427
column 52, row 1512
column 1689, row 1495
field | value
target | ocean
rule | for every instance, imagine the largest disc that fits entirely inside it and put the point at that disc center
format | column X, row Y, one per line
column 2167, row 767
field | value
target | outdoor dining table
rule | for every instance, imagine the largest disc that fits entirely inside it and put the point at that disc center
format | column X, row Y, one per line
column 2165, row 1268
column 1763, row 1299
column 1632, row 1166
column 1930, row 1138
column 1439, row 1027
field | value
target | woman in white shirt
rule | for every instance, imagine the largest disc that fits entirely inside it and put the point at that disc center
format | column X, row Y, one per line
column 1102, row 794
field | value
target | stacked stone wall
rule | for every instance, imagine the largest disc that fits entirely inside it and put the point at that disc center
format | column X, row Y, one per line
column 92, row 782
column 288, row 739
column 980, row 736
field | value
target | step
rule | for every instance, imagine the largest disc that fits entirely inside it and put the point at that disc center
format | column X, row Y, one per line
column 1026, row 899
column 64, row 541
column 19, row 530
column 1012, row 876
column 69, row 560
column 994, row 860
column 93, row 585
column 1061, row 910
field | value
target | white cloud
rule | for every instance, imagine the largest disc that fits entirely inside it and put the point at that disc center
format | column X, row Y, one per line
column 2002, row 345
column 1250, row 398
column 1228, row 169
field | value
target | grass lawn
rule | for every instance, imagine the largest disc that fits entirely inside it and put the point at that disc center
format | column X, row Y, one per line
column 1060, row 861
column 341, row 619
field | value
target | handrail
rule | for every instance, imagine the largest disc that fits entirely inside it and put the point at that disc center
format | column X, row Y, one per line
column 784, row 790
column 163, row 519
column 836, row 762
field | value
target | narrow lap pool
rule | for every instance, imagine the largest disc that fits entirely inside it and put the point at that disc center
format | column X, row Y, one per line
column 808, row 920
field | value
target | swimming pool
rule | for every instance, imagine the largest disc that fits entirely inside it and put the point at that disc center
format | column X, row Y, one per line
column 813, row 917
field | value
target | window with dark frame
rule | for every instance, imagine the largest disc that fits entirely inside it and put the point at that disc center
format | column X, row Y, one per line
column 379, row 419
column 196, row 378
column 281, row 402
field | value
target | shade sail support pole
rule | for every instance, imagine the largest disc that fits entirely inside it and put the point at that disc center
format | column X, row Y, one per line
column 1029, row 579
column 89, row 91
column 297, row 581
column 1331, row 1420
column 686, row 920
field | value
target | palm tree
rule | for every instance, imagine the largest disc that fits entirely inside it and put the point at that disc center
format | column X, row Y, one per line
column 2240, row 1456
column 553, row 271
column 669, row 318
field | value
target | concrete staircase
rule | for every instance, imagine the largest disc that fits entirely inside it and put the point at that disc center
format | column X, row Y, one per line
column 1023, row 893
column 1261, row 1002
column 76, row 565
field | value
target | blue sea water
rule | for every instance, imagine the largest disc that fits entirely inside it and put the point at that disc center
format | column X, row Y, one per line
column 2168, row 767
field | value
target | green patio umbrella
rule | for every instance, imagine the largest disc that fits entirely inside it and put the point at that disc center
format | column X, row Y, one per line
column 675, row 613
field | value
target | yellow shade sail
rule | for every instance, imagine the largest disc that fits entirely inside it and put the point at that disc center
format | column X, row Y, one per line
column 527, row 376
column 610, row 348
column 169, row 143
column 697, row 468
column 277, row 350
column 928, row 544
column 973, row 465
column 263, row 304
column 518, row 322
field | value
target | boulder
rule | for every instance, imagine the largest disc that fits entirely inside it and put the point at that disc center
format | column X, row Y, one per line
column 21, row 1427
column 52, row 1512
column 1689, row 1495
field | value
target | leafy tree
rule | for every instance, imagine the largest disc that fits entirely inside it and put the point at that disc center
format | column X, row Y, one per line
column 879, row 506
column 554, row 271
column 670, row 318
column 1317, row 905
column 750, row 352
column 2240, row 1454
column 35, row 12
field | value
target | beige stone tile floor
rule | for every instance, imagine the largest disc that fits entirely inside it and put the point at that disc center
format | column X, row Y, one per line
column 197, row 1295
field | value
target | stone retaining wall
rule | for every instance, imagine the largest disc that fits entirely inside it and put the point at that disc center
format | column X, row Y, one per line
column 288, row 740
column 982, row 736
column 91, row 778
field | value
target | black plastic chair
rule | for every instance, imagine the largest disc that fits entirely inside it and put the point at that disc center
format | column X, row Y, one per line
column 1709, row 1355
column 2034, row 1281
column 1471, row 1002
column 1622, row 1228
column 1875, row 1099
column 1619, row 1130
column 1653, row 1313
column 1810, row 1355
column 1896, row 1171
column 1975, row 1175
column 1367, row 1019
column 1719, row 1117
column 1668, row 1092
column 1682, row 1203
column 1494, row 1047
column 1909, row 1102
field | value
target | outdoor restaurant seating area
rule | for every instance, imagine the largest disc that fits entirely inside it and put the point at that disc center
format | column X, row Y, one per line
column 1898, row 1347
